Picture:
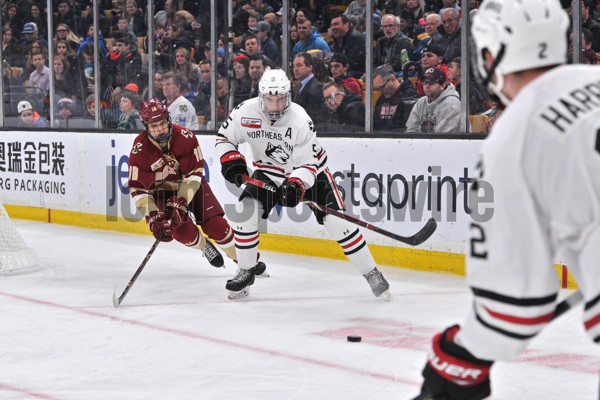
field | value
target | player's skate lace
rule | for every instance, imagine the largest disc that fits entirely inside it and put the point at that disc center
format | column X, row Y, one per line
column 377, row 281
column 244, row 278
column 212, row 255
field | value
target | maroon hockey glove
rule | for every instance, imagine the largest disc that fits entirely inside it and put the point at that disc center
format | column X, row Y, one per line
column 292, row 191
column 233, row 166
column 159, row 225
column 454, row 373
column 180, row 211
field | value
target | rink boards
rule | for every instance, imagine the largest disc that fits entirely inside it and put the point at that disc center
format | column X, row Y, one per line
column 396, row 184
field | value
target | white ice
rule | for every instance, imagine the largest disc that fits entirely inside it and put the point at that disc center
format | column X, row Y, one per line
column 176, row 336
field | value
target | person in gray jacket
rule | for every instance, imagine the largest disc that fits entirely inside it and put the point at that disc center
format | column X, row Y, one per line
column 439, row 110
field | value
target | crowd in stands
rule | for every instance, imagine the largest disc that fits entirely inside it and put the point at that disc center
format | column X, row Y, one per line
column 416, row 61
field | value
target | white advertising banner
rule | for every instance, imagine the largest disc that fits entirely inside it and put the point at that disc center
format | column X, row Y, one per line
column 396, row 184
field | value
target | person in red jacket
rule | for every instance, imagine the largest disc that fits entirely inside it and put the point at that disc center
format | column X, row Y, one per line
column 166, row 182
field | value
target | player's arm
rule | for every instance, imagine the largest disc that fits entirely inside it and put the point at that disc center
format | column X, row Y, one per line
column 191, row 164
column 233, row 163
column 306, row 161
column 141, row 184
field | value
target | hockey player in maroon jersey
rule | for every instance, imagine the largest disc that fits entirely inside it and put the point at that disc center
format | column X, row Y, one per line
column 166, row 181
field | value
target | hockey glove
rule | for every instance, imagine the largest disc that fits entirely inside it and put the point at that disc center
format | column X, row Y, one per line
column 233, row 166
column 159, row 225
column 292, row 191
column 454, row 373
column 180, row 211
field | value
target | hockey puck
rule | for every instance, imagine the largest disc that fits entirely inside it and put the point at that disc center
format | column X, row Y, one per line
column 354, row 338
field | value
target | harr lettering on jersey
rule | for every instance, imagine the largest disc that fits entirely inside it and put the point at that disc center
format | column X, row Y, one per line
column 566, row 110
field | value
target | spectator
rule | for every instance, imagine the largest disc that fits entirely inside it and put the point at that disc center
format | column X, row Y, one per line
column 432, row 56
column 394, row 104
column 29, row 117
column 394, row 48
column 432, row 21
column 477, row 99
column 29, row 35
column 66, row 109
column 242, row 84
column 267, row 44
column 590, row 23
column 309, row 39
column 187, row 70
column 204, row 86
column 135, row 19
column 129, row 105
column 416, row 8
column 275, row 21
column 63, row 31
column 346, row 109
column 349, row 42
column 357, row 8
column 451, row 32
column 122, row 66
column 408, row 27
column 293, row 35
column 181, row 109
column 66, row 15
column 439, row 110
column 339, row 71
column 10, row 49
column 40, row 77
column 453, row 4
column 12, row 19
column 65, row 85
column 89, row 39
column 252, row 22
column 123, row 28
column 252, row 45
column 309, row 92
column 256, row 68
column 174, row 39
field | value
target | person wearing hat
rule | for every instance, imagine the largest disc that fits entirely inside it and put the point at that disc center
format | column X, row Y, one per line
column 66, row 108
column 439, row 110
column 432, row 56
column 267, row 44
column 29, row 35
column 29, row 117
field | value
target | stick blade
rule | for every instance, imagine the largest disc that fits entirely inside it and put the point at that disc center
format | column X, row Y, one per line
column 424, row 234
column 115, row 299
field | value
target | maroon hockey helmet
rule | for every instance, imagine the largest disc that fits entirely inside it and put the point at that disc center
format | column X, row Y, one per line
column 153, row 110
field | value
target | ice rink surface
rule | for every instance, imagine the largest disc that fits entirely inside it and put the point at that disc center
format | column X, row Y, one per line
column 176, row 336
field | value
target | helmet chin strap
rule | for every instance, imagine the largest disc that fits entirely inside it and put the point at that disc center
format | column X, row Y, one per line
column 497, row 87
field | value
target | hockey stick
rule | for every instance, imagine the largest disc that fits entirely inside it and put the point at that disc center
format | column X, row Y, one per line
column 560, row 309
column 413, row 240
column 117, row 301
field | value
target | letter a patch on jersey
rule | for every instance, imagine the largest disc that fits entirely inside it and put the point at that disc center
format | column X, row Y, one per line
column 253, row 123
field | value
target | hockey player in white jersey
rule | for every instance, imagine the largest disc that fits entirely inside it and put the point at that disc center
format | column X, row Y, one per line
column 287, row 156
column 542, row 159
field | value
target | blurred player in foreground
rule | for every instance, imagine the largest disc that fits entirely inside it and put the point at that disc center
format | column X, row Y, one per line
column 166, row 180
column 542, row 160
column 287, row 156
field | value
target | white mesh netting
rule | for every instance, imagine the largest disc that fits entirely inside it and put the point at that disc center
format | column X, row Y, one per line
column 15, row 256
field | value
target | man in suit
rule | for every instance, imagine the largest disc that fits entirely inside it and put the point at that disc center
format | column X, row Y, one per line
column 309, row 92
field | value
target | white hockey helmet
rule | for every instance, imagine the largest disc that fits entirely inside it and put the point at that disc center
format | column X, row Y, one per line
column 520, row 35
column 274, row 93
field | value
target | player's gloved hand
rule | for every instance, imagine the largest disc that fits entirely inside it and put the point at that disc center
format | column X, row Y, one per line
column 454, row 373
column 292, row 191
column 159, row 225
column 180, row 210
column 233, row 167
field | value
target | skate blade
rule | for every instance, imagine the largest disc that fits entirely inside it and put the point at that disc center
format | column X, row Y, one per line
column 387, row 296
column 238, row 295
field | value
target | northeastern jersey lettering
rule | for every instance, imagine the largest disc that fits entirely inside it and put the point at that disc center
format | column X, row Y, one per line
column 283, row 148
column 150, row 168
column 542, row 161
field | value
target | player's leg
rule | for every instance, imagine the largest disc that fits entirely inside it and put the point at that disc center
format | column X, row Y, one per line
column 254, row 203
column 348, row 235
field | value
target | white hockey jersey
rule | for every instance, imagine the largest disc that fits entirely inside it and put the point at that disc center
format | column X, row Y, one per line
column 542, row 160
column 283, row 148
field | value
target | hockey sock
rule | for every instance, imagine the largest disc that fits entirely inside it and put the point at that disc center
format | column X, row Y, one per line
column 352, row 241
column 246, row 232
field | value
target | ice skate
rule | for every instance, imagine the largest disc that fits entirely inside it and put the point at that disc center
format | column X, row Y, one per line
column 379, row 285
column 238, row 286
column 212, row 255
column 260, row 269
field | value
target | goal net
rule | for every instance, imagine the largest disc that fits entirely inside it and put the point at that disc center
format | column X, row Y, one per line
column 15, row 256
